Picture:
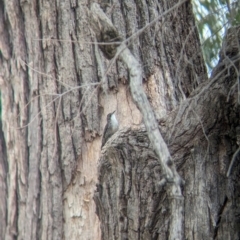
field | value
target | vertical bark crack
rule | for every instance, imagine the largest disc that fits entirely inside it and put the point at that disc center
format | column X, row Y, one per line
column 103, row 27
column 220, row 213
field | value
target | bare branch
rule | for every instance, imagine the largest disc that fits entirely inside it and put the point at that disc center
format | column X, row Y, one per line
column 102, row 26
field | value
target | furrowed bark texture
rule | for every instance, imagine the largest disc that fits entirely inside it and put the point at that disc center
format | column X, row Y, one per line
column 53, row 113
column 170, row 175
column 202, row 141
column 3, row 186
column 42, row 125
column 102, row 26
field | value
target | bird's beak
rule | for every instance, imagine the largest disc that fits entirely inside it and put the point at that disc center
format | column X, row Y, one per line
column 113, row 112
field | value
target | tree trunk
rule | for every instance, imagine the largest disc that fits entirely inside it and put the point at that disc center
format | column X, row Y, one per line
column 57, row 88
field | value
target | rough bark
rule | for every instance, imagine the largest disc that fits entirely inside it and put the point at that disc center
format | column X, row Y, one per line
column 54, row 110
column 3, row 186
column 172, row 180
column 42, row 126
column 202, row 137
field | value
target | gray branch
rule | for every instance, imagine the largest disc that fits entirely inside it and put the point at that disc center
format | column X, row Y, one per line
column 100, row 23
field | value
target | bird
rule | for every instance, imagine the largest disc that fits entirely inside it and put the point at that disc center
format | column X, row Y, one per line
column 110, row 128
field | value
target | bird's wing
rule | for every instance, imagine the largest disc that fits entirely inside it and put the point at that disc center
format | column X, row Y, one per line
column 104, row 139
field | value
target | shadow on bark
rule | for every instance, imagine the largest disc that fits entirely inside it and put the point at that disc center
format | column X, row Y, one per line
column 202, row 138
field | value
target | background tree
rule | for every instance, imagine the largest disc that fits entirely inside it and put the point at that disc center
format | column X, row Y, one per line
column 213, row 20
column 57, row 87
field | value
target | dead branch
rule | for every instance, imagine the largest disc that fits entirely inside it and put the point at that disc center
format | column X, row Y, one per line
column 102, row 27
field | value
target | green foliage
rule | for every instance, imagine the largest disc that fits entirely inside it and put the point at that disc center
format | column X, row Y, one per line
column 213, row 17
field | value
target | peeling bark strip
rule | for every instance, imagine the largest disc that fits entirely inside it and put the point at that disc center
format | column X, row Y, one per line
column 102, row 26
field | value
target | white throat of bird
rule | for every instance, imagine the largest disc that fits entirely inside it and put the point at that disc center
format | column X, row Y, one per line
column 114, row 122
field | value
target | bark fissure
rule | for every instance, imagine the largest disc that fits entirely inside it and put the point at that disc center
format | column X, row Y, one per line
column 202, row 127
column 221, row 210
column 50, row 197
column 101, row 27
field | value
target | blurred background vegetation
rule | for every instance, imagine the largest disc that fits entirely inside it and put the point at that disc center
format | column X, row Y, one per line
column 213, row 18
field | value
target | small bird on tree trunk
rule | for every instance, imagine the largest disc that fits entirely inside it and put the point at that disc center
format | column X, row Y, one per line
column 110, row 128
